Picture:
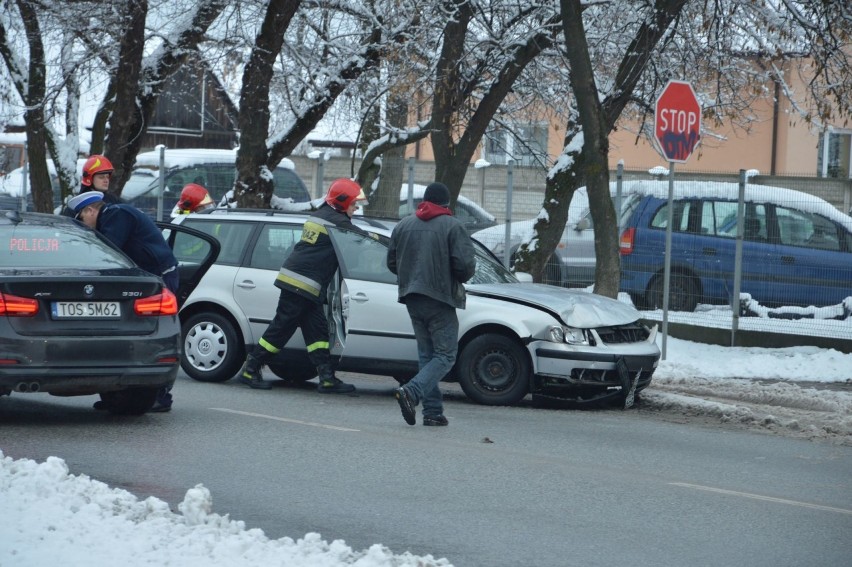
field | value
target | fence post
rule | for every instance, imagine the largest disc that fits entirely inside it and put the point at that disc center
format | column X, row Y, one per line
column 619, row 183
column 162, row 192
column 507, row 253
column 667, row 270
column 24, row 180
column 318, row 190
column 410, row 199
column 738, row 259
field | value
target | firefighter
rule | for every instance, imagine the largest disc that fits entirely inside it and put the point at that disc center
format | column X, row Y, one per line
column 303, row 280
column 195, row 199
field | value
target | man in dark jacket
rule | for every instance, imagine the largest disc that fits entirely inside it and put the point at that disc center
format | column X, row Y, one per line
column 136, row 234
column 303, row 280
column 433, row 256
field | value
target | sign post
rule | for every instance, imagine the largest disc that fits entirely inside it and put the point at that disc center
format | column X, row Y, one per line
column 677, row 130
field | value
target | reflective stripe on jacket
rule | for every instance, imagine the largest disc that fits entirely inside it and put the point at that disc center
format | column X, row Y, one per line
column 313, row 262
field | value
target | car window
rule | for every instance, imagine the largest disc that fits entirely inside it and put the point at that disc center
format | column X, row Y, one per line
column 754, row 221
column 46, row 246
column 274, row 245
column 682, row 212
column 362, row 257
column 233, row 236
column 798, row 228
column 488, row 269
column 289, row 185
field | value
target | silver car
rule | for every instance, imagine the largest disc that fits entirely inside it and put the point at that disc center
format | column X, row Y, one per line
column 572, row 263
column 514, row 338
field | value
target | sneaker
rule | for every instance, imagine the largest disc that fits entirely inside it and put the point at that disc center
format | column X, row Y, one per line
column 406, row 405
column 334, row 386
column 436, row 420
column 253, row 380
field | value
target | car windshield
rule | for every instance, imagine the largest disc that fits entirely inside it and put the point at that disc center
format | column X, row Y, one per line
column 365, row 258
column 63, row 245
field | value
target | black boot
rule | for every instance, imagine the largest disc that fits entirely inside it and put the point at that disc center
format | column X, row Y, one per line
column 331, row 384
column 251, row 374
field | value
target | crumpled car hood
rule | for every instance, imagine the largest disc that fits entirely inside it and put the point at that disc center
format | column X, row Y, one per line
column 575, row 307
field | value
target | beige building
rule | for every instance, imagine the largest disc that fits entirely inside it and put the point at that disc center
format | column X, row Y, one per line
column 779, row 142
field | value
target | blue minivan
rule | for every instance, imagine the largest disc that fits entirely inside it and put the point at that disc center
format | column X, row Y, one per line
column 797, row 248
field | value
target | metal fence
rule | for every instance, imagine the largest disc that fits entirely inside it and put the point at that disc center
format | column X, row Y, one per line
column 784, row 251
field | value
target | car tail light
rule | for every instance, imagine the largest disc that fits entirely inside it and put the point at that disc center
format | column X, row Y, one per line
column 161, row 304
column 14, row 306
column 625, row 243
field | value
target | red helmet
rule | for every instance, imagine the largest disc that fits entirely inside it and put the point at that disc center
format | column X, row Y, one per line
column 95, row 164
column 343, row 192
column 194, row 198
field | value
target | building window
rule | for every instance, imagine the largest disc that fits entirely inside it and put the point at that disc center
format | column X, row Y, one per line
column 833, row 158
column 525, row 143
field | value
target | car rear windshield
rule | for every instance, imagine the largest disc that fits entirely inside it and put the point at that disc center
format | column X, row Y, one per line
column 56, row 246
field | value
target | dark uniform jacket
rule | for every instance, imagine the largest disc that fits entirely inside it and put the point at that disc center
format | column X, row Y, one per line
column 432, row 254
column 136, row 234
column 310, row 267
column 109, row 198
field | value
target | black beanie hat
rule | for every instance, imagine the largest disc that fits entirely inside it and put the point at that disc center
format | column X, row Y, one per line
column 437, row 193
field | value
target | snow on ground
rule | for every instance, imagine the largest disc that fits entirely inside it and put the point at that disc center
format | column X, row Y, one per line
column 798, row 391
column 54, row 517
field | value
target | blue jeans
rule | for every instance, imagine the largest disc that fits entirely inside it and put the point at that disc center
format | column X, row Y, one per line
column 436, row 328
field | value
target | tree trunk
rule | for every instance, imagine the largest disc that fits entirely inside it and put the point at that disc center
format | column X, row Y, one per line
column 254, row 186
column 34, row 119
column 124, row 124
column 384, row 202
column 594, row 165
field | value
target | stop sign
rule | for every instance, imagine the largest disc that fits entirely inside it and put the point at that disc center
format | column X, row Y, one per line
column 677, row 121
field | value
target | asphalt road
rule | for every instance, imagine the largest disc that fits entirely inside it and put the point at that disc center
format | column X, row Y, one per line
column 501, row 486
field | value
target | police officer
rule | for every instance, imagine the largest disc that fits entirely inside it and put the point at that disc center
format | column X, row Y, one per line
column 136, row 234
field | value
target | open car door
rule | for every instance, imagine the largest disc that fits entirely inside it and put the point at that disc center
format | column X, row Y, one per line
column 195, row 251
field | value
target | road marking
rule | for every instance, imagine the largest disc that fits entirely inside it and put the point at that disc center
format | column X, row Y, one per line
column 759, row 497
column 284, row 419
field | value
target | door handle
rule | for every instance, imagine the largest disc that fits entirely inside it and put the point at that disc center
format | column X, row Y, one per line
column 708, row 251
column 788, row 259
column 246, row 284
column 360, row 297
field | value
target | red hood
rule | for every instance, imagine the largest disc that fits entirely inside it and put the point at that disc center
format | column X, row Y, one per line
column 427, row 210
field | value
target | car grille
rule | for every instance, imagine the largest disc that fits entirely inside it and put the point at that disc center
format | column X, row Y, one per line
column 620, row 334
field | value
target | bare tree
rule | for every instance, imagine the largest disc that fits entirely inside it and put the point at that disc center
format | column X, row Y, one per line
column 724, row 50
column 328, row 50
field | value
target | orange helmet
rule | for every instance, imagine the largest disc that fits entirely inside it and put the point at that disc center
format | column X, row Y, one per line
column 194, row 198
column 95, row 164
column 343, row 192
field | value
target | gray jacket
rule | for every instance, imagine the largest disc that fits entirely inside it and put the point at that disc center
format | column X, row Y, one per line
column 432, row 257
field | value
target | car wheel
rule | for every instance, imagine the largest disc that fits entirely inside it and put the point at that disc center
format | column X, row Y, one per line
column 133, row 401
column 293, row 373
column 682, row 293
column 494, row 370
column 211, row 349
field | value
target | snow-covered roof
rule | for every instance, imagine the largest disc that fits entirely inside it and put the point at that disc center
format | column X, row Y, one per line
column 193, row 156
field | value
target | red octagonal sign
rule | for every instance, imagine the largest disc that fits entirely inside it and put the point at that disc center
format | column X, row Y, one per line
column 677, row 121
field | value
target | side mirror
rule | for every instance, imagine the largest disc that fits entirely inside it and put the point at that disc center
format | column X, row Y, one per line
column 524, row 277
column 583, row 224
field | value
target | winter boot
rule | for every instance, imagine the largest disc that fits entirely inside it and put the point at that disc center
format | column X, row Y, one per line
column 331, row 384
column 251, row 374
